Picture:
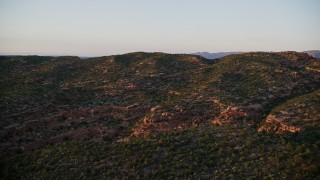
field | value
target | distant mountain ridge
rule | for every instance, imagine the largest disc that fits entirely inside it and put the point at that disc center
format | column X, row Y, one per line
column 208, row 55
column 313, row 53
column 214, row 55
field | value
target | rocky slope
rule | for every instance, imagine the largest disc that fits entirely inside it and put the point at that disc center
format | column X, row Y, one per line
column 295, row 114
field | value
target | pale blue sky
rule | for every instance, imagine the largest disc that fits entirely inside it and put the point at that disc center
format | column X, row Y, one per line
column 105, row 27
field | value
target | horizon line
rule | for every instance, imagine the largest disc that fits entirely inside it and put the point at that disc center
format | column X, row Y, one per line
column 72, row 54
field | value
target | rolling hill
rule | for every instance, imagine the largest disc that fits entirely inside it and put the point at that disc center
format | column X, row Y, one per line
column 157, row 115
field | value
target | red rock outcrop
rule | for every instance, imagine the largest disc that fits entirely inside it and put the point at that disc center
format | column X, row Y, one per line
column 278, row 126
column 240, row 114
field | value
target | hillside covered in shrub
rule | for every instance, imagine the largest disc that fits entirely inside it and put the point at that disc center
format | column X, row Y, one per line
column 157, row 115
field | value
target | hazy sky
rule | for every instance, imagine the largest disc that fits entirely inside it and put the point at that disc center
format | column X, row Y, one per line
column 104, row 27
